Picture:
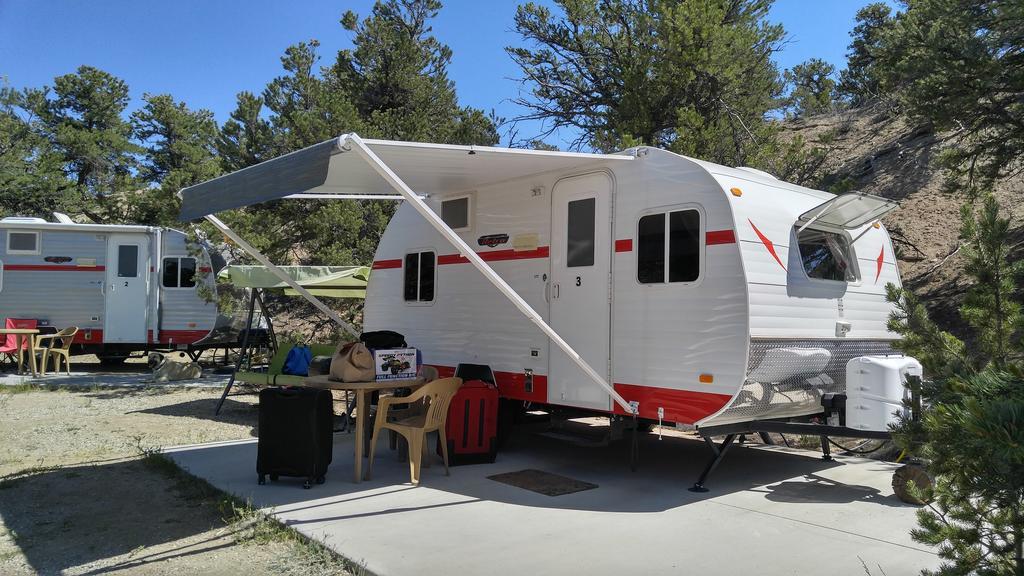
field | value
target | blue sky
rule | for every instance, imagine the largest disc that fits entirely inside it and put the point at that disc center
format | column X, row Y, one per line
column 205, row 51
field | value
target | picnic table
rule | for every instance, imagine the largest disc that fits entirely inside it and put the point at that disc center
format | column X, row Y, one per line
column 20, row 335
column 363, row 391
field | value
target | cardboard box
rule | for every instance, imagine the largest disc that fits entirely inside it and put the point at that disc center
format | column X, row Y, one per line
column 395, row 364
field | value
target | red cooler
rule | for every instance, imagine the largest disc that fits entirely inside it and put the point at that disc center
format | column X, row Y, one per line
column 472, row 427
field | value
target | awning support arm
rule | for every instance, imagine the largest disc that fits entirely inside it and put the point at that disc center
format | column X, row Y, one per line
column 866, row 230
column 467, row 252
column 281, row 274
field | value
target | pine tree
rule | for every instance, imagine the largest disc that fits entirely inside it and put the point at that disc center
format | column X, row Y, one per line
column 971, row 434
column 693, row 77
column 813, row 89
column 861, row 81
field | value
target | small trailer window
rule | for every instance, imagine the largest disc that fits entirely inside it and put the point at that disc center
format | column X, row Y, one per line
column 679, row 261
column 179, row 272
column 127, row 261
column 22, row 242
column 455, row 213
column 580, row 231
column 826, row 255
column 419, row 277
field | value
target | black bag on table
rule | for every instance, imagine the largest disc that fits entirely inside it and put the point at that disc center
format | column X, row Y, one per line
column 383, row 340
column 295, row 434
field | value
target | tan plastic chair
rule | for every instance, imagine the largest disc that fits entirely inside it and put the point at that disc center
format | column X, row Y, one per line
column 437, row 395
column 58, row 348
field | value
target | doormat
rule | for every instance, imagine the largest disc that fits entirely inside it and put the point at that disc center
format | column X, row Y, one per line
column 542, row 482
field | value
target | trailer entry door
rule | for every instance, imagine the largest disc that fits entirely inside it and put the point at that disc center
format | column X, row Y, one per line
column 126, row 290
column 580, row 266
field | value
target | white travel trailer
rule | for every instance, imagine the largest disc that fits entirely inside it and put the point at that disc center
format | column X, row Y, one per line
column 708, row 295
column 127, row 288
column 642, row 282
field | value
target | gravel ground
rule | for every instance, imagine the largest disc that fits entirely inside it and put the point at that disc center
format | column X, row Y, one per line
column 82, row 492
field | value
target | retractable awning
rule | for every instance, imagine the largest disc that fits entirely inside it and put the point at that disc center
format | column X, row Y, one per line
column 324, row 281
column 332, row 169
column 349, row 167
column 848, row 211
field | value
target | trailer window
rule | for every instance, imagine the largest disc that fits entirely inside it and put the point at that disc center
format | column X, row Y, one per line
column 580, row 231
column 679, row 259
column 179, row 272
column 127, row 261
column 455, row 213
column 419, row 277
column 826, row 255
column 22, row 242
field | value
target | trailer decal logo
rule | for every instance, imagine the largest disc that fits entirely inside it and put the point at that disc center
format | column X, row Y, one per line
column 492, row 240
column 767, row 244
column 880, row 261
column 58, row 259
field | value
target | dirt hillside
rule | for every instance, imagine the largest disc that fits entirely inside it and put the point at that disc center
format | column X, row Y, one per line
column 886, row 155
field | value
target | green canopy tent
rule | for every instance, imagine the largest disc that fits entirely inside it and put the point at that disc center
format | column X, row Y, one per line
column 321, row 281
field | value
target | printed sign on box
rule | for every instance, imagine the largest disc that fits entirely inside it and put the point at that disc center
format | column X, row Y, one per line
column 395, row 364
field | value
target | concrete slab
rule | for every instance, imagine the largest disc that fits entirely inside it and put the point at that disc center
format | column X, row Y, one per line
column 770, row 511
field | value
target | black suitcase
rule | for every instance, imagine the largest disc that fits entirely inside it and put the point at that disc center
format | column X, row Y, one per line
column 296, row 436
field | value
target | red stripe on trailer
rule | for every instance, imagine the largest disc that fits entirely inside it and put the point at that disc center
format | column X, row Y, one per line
column 767, row 244
column 714, row 237
column 880, row 261
column 52, row 268
column 385, row 264
column 89, row 336
column 624, row 245
column 495, row 256
column 683, row 406
column 510, row 384
column 182, row 336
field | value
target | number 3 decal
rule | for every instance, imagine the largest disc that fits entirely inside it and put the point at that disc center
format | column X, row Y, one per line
column 578, row 282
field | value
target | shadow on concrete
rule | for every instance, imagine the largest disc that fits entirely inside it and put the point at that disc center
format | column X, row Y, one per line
column 667, row 468
column 75, row 516
column 233, row 411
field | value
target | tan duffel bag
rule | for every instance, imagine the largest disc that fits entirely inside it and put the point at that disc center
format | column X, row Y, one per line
column 353, row 362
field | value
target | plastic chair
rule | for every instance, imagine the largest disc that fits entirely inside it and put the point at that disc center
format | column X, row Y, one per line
column 10, row 345
column 59, row 347
column 438, row 395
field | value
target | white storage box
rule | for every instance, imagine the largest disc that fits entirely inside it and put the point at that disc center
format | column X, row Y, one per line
column 395, row 364
column 875, row 388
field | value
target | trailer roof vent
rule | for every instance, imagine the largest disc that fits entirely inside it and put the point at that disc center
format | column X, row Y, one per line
column 23, row 220
column 756, row 171
column 63, row 218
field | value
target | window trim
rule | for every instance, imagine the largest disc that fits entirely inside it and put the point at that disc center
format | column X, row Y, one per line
column 419, row 252
column 855, row 262
column 38, row 249
column 470, row 206
column 702, row 249
column 179, row 259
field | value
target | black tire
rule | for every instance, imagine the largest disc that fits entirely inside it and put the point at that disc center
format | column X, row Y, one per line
column 307, row 484
column 112, row 360
column 321, row 479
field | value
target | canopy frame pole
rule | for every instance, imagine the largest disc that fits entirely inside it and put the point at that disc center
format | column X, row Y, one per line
column 467, row 252
column 281, row 274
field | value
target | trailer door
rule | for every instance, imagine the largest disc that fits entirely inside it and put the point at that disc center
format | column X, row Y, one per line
column 127, row 288
column 580, row 281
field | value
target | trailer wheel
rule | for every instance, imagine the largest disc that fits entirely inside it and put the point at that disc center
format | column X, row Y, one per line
column 112, row 360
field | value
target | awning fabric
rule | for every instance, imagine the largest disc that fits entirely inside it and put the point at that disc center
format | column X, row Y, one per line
column 332, row 168
column 330, row 281
column 849, row 211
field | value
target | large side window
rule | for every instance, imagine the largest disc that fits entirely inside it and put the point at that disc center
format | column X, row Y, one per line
column 419, row 277
column 179, row 272
column 22, row 242
column 678, row 258
column 826, row 255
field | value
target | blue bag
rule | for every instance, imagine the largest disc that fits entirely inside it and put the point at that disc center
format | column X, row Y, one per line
column 297, row 361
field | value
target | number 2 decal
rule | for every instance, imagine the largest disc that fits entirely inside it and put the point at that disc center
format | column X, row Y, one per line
column 578, row 282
